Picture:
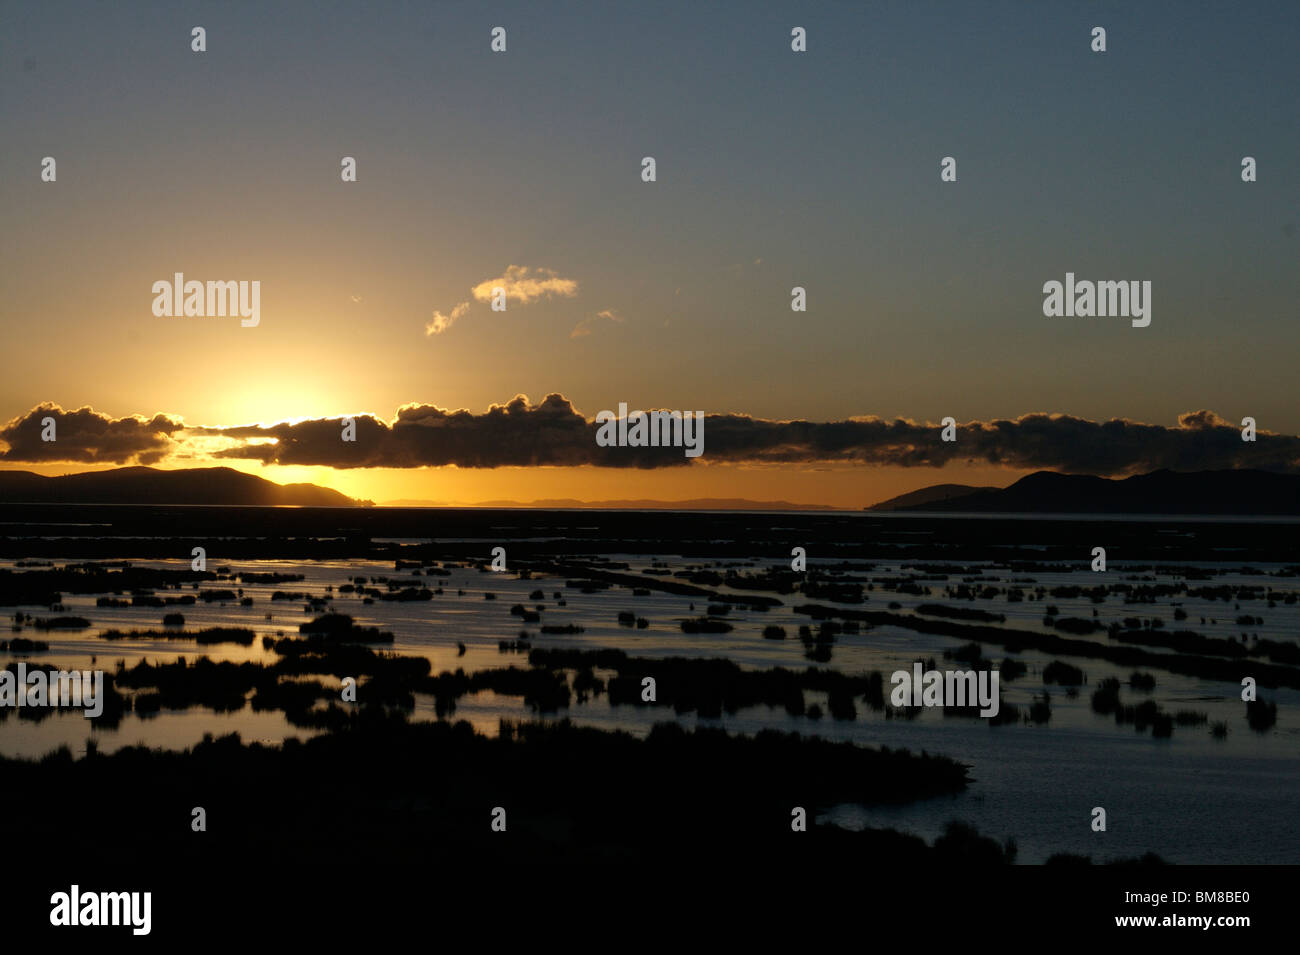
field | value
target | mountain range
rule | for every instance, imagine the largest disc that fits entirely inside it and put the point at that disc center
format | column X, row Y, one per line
column 1241, row 491
column 142, row 485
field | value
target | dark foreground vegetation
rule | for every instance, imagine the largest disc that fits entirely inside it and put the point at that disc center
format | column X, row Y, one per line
column 390, row 823
column 385, row 792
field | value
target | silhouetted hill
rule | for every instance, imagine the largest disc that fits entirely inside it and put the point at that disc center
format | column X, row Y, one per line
column 927, row 495
column 1160, row 492
column 140, row 485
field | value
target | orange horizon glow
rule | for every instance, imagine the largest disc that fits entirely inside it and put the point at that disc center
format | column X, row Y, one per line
column 843, row 487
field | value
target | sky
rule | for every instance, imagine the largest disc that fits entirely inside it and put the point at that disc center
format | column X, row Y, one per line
column 523, row 169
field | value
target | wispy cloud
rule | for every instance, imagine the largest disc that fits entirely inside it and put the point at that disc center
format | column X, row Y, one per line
column 584, row 327
column 443, row 322
column 522, row 286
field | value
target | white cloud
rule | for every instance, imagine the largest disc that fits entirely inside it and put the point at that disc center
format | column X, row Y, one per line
column 525, row 285
column 522, row 285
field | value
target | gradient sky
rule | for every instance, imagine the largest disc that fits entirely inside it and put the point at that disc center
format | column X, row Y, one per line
column 774, row 169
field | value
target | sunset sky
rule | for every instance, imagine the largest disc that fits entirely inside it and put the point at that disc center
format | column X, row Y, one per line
column 775, row 169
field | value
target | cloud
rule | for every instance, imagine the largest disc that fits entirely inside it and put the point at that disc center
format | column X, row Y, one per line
column 516, row 434
column 522, row 285
column 87, row 436
column 584, row 327
column 554, row 433
column 443, row 322
column 525, row 286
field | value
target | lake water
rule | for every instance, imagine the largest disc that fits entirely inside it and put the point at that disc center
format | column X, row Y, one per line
column 1190, row 798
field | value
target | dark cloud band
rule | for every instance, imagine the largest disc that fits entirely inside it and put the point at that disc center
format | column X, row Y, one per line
column 87, row 436
column 553, row 433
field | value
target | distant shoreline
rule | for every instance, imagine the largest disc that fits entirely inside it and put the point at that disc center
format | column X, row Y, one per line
column 1121, row 517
